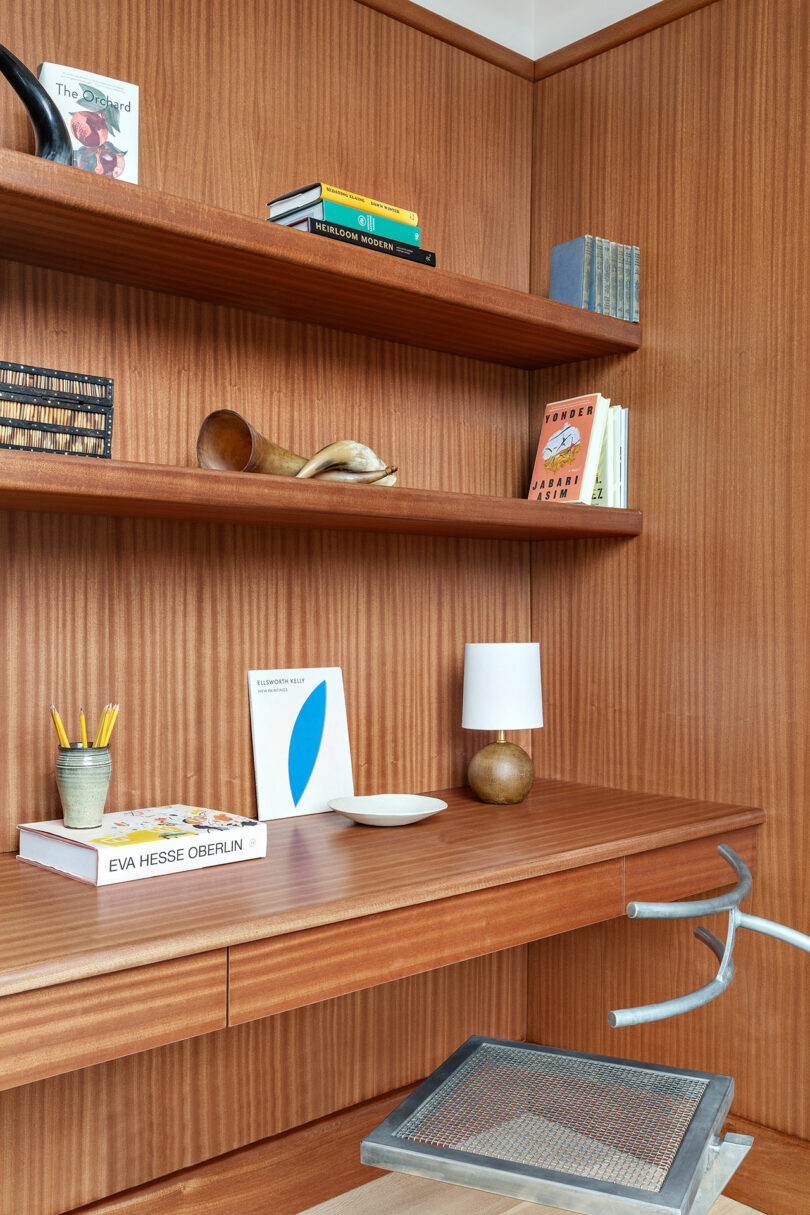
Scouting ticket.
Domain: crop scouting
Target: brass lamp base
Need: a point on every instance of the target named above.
(501, 773)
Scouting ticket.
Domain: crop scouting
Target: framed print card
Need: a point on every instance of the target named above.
(301, 754)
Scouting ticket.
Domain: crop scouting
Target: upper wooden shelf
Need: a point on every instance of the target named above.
(322, 871)
(80, 485)
(165, 243)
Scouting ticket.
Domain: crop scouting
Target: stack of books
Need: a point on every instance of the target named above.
(341, 215)
(582, 453)
(590, 272)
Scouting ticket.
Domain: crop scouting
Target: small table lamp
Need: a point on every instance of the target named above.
(502, 691)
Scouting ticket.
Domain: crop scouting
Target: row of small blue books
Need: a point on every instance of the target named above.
(598, 274)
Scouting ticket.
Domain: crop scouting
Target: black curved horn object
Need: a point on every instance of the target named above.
(50, 133)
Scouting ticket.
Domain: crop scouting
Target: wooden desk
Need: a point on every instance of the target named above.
(92, 974)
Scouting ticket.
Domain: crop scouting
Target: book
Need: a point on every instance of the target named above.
(604, 490)
(598, 274)
(595, 282)
(636, 282)
(101, 115)
(568, 449)
(570, 276)
(621, 460)
(604, 307)
(366, 240)
(142, 843)
(350, 217)
(318, 190)
(301, 754)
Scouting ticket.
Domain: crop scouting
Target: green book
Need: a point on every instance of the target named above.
(350, 217)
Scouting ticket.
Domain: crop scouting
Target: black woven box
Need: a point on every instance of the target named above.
(60, 411)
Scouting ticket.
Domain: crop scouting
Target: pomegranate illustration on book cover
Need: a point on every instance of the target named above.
(102, 117)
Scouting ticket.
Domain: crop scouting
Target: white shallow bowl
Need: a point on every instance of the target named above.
(387, 809)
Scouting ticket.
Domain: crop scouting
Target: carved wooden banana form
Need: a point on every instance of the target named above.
(228, 441)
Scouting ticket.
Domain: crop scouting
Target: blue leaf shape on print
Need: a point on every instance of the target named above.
(305, 741)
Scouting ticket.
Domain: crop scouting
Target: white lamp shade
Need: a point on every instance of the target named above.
(502, 688)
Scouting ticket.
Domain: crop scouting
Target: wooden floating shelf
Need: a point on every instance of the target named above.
(80, 485)
(145, 238)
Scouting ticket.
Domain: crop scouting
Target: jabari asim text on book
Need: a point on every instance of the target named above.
(568, 449)
(143, 843)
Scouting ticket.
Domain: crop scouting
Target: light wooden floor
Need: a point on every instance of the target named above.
(398, 1194)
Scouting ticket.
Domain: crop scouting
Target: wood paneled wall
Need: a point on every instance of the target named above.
(681, 663)
(240, 102)
(674, 663)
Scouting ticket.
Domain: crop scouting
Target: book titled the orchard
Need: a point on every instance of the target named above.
(101, 115)
(143, 843)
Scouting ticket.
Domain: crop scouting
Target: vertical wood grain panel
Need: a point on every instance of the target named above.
(273, 1175)
(77, 1138)
(683, 658)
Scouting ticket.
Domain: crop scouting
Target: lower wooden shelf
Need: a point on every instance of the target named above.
(333, 908)
(80, 485)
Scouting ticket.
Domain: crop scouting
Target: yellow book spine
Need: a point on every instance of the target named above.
(335, 194)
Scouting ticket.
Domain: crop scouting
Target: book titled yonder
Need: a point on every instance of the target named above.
(568, 449)
(143, 843)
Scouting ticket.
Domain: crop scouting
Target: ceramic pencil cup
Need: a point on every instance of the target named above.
(83, 779)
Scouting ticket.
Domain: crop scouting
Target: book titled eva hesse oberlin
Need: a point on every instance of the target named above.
(143, 843)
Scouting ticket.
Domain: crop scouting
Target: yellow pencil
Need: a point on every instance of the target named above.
(83, 728)
(105, 741)
(101, 725)
(64, 741)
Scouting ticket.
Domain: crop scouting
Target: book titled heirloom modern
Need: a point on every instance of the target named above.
(569, 448)
(366, 240)
(301, 754)
(143, 843)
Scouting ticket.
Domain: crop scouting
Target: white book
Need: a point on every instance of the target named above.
(301, 753)
(621, 459)
(604, 491)
(101, 115)
(143, 843)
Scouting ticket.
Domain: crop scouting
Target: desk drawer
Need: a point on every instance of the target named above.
(58, 1029)
(318, 963)
(686, 870)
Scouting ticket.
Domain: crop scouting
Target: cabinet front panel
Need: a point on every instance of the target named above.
(302, 967)
(56, 1029)
(687, 869)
